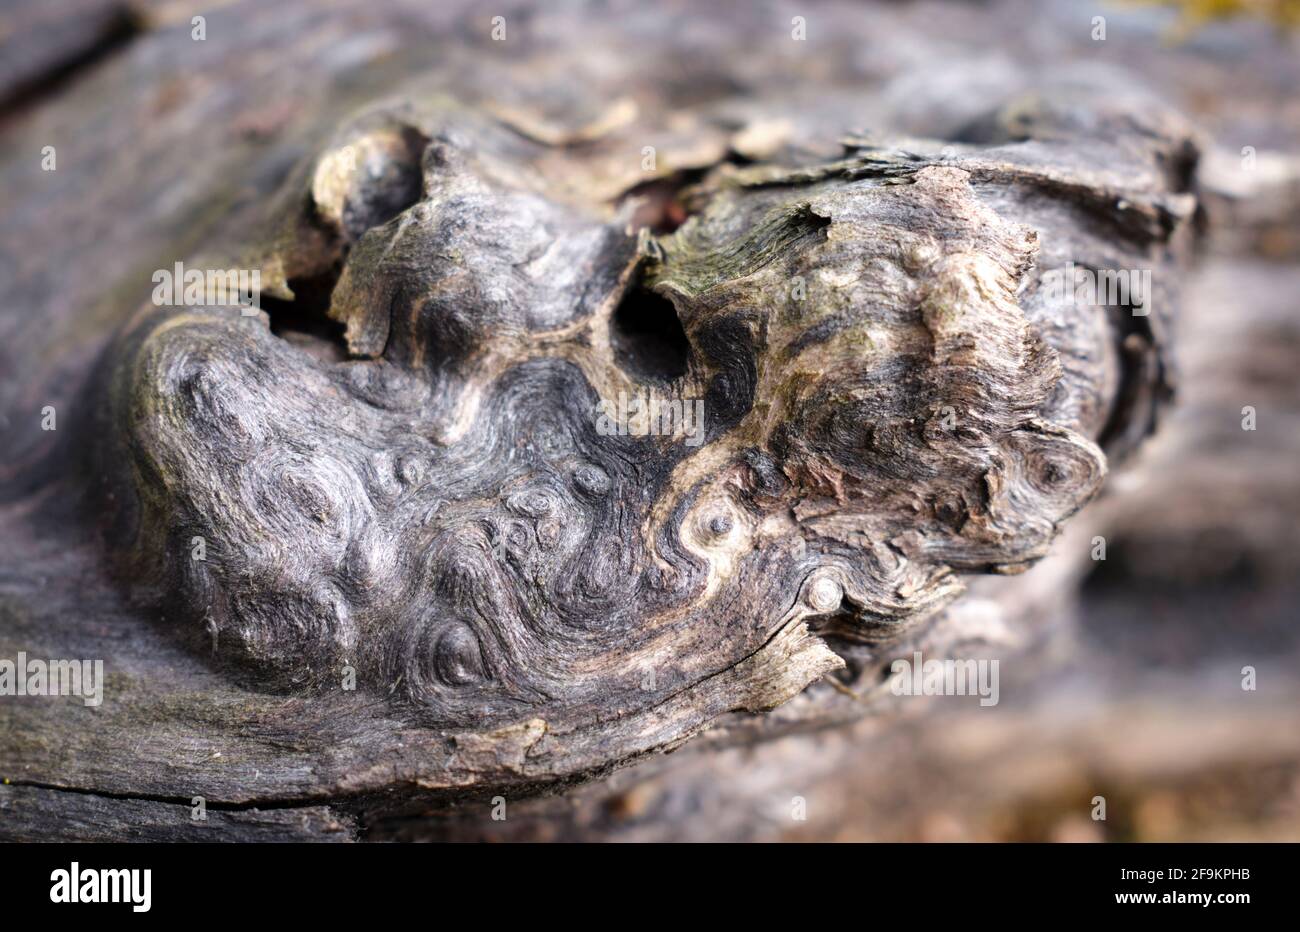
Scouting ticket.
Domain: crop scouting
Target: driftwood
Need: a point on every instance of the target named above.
(437, 557)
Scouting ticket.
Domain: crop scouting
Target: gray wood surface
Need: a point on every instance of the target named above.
(396, 469)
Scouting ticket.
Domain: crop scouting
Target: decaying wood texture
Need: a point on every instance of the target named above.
(411, 470)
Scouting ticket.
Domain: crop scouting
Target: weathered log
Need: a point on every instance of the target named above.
(446, 504)
(36, 813)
